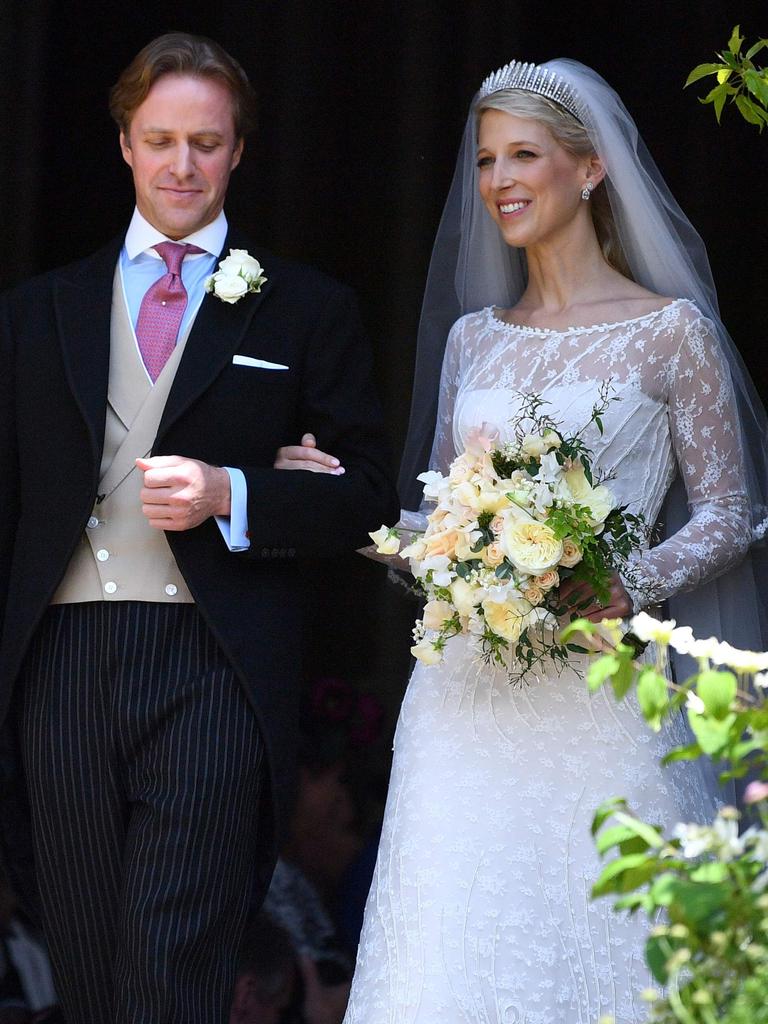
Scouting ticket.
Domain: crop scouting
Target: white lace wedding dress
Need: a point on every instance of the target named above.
(480, 909)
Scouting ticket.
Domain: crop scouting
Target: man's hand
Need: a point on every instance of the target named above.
(179, 493)
(307, 456)
(619, 604)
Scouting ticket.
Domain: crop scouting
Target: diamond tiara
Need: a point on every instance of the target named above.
(534, 78)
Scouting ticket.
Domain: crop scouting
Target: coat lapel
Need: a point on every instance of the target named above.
(83, 305)
(215, 337)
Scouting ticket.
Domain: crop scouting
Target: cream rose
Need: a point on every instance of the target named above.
(533, 594)
(227, 287)
(493, 555)
(436, 613)
(571, 554)
(506, 618)
(531, 547)
(443, 543)
(548, 580)
(425, 651)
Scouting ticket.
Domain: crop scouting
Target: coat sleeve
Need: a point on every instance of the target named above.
(9, 467)
(302, 514)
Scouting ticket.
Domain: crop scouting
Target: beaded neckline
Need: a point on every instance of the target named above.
(588, 328)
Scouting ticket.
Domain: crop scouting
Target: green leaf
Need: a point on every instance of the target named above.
(701, 71)
(734, 43)
(757, 85)
(717, 690)
(625, 874)
(656, 955)
(632, 901)
(689, 753)
(758, 46)
(605, 810)
(652, 696)
(601, 670)
(700, 901)
(723, 75)
(647, 833)
(719, 101)
(578, 626)
(662, 892)
(713, 735)
(713, 871)
(622, 680)
(749, 111)
(614, 836)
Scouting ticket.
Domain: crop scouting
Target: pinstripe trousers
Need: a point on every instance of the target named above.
(143, 761)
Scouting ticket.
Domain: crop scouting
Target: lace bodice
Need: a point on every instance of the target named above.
(674, 413)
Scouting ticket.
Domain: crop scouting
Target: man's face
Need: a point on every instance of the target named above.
(182, 149)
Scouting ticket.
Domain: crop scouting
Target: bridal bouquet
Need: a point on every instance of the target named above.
(511, 522)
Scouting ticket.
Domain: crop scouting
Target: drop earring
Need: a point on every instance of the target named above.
(586, 192)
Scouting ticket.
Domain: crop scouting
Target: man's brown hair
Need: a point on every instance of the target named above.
(179, 53)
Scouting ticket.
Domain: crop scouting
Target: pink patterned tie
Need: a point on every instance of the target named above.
(162, 309)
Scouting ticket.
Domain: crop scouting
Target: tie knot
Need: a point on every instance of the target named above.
(173, 254)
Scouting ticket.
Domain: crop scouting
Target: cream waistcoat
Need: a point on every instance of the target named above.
(120, 557)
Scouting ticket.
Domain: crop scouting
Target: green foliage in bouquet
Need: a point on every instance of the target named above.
(739, 80)
(707, 885)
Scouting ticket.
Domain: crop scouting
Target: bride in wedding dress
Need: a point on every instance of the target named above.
(563, 262)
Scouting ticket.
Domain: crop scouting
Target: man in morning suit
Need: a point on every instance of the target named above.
(151, 557)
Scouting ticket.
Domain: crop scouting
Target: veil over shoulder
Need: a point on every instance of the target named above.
(472, 267)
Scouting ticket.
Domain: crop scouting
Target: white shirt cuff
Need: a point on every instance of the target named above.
(234, 527)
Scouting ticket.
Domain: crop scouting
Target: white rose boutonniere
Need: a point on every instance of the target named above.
(237, 275)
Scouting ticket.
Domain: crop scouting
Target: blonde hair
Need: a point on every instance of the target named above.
(574, 138)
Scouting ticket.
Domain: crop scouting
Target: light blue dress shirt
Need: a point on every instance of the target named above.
(140, 267)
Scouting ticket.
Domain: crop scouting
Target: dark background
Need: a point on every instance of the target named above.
(362, 108)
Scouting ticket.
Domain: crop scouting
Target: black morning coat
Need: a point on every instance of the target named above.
(54, 363)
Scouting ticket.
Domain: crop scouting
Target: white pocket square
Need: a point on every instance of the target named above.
(262, 363)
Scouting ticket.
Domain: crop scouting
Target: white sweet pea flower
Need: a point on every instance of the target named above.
(386, 539)
(756, 839)
(694, 703)
(433, 482)
(651, 630)
(441, 572)
(426, 652)
(741, 661)
(694, 839)
(726, 827)
(550, 470)
(436, 613)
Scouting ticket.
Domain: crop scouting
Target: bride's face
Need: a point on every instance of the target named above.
(530, 184)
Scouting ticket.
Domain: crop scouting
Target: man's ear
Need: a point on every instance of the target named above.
(237, 153)
(125, 149)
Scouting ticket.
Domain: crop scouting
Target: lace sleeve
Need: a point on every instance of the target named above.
(705, 437)
(443, 450)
